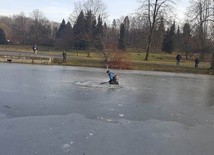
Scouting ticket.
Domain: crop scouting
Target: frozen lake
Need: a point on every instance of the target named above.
(58, 110)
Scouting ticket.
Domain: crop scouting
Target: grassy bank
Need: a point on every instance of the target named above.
(131, 59)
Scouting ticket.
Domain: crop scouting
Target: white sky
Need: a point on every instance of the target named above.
(56, 10)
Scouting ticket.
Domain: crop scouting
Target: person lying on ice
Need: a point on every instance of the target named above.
(113, 79)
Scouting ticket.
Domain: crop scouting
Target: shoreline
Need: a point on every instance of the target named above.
(47, 59)
(182, 70)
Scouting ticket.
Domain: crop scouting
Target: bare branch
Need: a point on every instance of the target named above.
(97, 7)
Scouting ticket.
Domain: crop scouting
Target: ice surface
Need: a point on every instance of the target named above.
(66, 110)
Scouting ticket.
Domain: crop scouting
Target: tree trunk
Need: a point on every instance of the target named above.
(212, 62)
(148, 46)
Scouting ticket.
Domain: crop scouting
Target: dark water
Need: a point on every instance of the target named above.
(65, 110)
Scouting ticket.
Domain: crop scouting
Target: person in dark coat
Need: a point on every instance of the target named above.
(35, 49)
(197, 60)
(178, 59)
(64, 54)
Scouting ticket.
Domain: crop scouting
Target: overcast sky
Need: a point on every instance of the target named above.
(56, 10)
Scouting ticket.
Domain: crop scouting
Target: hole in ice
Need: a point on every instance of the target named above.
(97, 84)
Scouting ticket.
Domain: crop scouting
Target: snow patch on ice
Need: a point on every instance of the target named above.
(121, 115)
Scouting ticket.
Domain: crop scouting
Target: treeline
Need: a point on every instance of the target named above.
(86, 33)
(90, 32)
(23, 30)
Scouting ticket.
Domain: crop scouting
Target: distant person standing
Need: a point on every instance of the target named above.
(64, 54)
(178, 59)
(197, 60)
(35, 49)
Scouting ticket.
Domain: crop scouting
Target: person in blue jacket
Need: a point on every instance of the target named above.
(113, 79)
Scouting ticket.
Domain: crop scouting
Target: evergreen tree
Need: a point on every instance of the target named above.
(186, 37)
(79, 32)
(127, 27)
(160, 35)
(100, 27)
(2, 37)
(168, 43)
(90, 25)
(67, 37)
(172, 36)
(113, 36)
(114, 24)
(61, 29)
(105, 32)
(121, 43)
(178, 39)
(165, 41)
(99, 34)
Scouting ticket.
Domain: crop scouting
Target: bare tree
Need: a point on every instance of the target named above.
(20, 27)
(212, 63)
(5, 24)
(152, 11)
(97, 7)
(40, 29)
(201, 16)
(38, 17)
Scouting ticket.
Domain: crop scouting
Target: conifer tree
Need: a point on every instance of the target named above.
(105, 32)
(61, 29)
(168, 43)
(113, 37)
(99, 33)
(121, 43)
(114, 24)
(90, 25)
(160, 35)
(127, 27)
(177, 39)
(79, 32)
(67, 37)
(186, 37)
